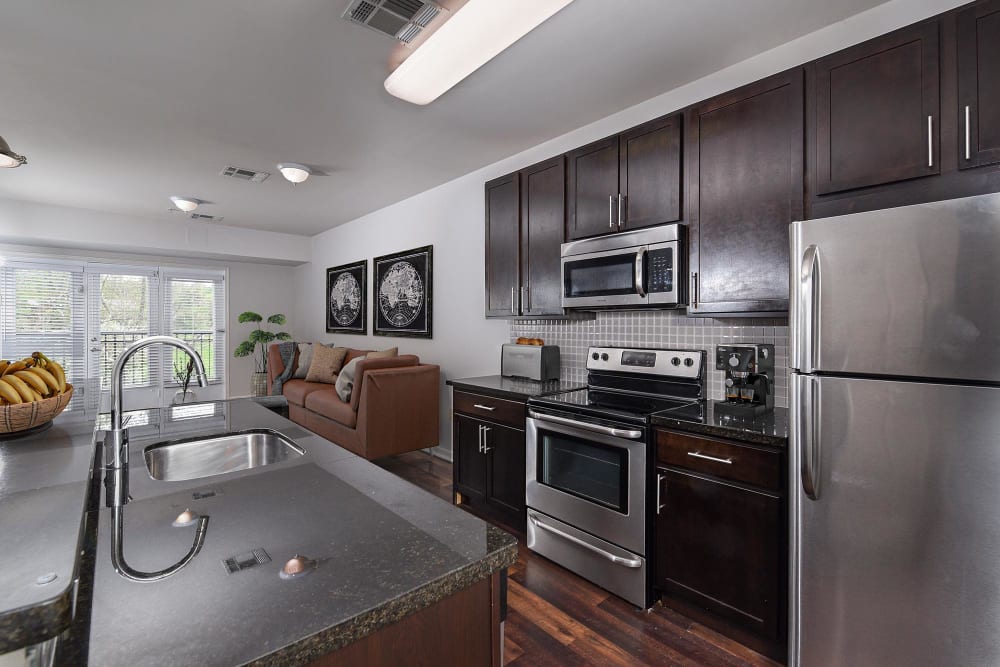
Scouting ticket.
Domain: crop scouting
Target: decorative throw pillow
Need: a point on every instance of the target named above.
(384, 354)
(345, 381)
(305, 359)
(326, 363)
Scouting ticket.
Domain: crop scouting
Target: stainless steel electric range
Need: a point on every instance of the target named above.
(588, 472)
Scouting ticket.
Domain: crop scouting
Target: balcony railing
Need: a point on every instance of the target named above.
(137, 372)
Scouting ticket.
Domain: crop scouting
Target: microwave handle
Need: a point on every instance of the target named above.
(640, 261)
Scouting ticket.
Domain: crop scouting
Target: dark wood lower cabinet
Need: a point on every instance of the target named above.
(721, 546)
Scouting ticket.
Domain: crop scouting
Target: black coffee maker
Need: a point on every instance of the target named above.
(749, 379)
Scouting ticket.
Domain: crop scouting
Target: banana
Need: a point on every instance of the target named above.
(55, 369)
(9, 394)
(14, 367)
(3, 365)
(20, 387)
(35, 381)
(35, 396)
(48, 379)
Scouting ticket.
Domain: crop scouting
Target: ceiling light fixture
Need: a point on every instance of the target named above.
(9, 158)
(294, 172)
(477, 32)
(186, 204)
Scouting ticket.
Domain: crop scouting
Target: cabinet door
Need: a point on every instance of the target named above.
(650, 173)
(878, 111)
(978, 39)
(745, 184)
(505, 447)
(719, 546)
(592, 189)
(543, 226)
(503, 221)
(469, 467)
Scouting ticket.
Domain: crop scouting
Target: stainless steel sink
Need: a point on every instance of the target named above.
(218, 454)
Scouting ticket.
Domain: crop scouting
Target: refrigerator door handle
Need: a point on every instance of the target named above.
(808, 318)
(806, 424)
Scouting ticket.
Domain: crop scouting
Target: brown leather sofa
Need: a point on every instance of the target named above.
(393, 408)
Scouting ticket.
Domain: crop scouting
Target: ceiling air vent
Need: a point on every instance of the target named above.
(245, 174)
(400, 19)
(201, 217)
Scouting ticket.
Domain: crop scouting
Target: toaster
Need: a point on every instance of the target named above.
(535, 362)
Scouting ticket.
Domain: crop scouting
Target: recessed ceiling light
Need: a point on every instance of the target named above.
(477, 32)
(186, 204)
(294, 172)
(9, 158)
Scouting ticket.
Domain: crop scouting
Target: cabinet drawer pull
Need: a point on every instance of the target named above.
(488, 408)
(480, 438)
(699, 455)
(486, 447)
(659, 488)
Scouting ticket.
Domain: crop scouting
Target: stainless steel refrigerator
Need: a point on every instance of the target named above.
(895, 436)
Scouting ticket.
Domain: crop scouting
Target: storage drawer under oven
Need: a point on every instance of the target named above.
(740, 463)
(502, 411)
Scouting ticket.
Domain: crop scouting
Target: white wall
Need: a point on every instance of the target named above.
(451, 216)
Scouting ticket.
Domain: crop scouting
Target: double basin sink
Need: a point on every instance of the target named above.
(199, 457)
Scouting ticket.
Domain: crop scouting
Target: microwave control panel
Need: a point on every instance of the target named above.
(660, 264)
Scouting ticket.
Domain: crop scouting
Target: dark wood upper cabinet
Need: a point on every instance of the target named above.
(978, 43)
(543, 217)
(592, 189)
(745, 185)
(503, 223)
(628, 181)
(878, 108)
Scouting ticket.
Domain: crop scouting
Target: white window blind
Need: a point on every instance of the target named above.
(43, 308)
(195, 311)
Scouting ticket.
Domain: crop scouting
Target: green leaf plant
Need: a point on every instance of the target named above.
(256, 343)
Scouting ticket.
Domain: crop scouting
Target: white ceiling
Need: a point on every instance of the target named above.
(119, 104)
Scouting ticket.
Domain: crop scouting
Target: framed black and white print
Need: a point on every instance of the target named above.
(347, 298)
(403, 291)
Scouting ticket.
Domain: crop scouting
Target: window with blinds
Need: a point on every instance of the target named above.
(195, 311)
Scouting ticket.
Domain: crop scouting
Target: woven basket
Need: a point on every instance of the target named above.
(22, 416)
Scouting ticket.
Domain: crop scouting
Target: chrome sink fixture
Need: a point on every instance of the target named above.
(217, 455)
(116, 464)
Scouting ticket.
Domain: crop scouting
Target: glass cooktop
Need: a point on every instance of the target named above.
(620, 406)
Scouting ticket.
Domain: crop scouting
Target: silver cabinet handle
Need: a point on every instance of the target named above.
(699, 455)
(659, 489)
(480, 438)
(694, 289)
(930, 141)
(513, 301)
(611, 211)
(968, 154)
(488, 408)
(808, 320)
(640, 258)
(486, 447)
(621, 221)
(596, 428)
(618, 560)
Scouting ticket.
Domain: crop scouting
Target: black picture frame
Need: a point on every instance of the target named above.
(410, 273)
(351, 283)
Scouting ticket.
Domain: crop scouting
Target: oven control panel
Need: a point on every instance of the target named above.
(675, 363)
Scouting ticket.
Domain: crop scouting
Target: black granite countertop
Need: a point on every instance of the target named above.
(768, 429)
(44, 485)
(517, 389)
(384, 547)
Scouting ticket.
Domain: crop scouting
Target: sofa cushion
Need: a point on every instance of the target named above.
(297, 390)
(383, 354)
(328, 404)
(326, 363)
(353, 354)
(303, 360)
(345, 381)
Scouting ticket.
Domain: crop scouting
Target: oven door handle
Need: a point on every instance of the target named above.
(631, 434)
(618, 560)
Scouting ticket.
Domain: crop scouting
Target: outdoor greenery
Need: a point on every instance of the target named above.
(256, 343)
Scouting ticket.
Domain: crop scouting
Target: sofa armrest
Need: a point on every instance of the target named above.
(399, 409)
(366, 366)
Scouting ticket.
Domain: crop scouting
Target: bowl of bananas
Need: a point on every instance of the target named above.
(33, 391)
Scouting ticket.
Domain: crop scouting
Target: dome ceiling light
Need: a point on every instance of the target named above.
(9, 158)
(294, 172)
(186, 204)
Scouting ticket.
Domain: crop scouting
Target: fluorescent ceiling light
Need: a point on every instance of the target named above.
(477, 32)
(9, 158)
(294, 172)
(186, 204)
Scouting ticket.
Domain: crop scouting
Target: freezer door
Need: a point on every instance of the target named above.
(895, 523)
(910, 291)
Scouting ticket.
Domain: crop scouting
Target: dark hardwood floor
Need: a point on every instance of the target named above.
(557, 618)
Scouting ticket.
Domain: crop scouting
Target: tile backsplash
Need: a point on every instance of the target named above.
(664, 329)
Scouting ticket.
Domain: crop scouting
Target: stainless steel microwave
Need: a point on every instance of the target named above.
(626, 270)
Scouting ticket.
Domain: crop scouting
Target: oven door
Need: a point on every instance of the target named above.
(590, 476)
(602, 279)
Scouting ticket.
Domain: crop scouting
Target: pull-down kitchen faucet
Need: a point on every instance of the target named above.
(116, 464)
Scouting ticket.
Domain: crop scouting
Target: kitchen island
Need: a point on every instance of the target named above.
(394, 571)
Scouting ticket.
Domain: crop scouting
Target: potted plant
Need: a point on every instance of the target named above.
(256, 346)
